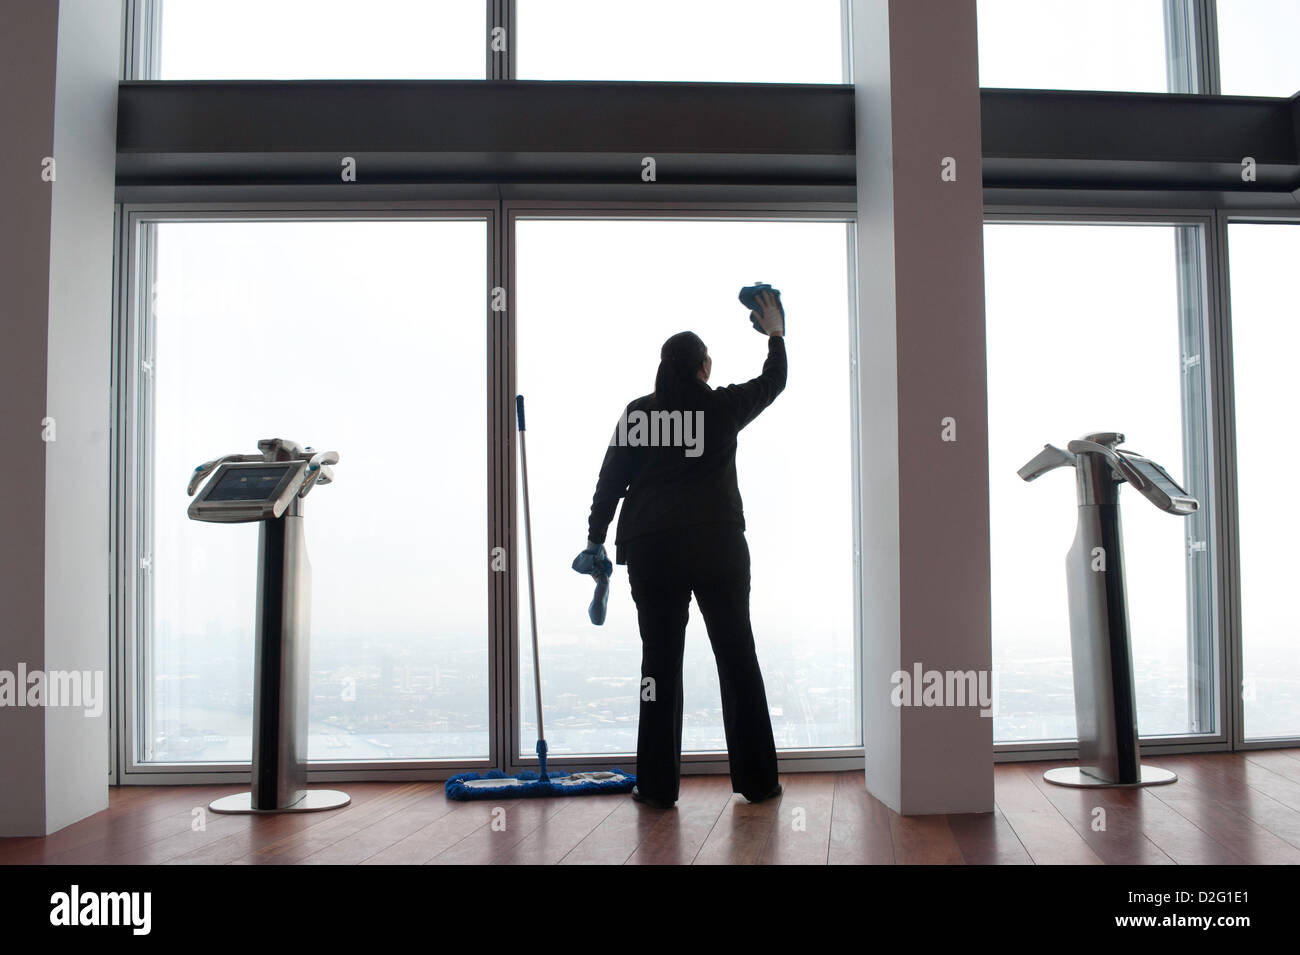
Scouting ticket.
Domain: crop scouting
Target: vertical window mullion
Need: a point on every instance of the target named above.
(510, 71)
(501, 382)
(1227, 549)
(1192, 46)
(855, 440)
(144, 442)
(500, 64)
(143, 34)
(1207, 35)
(846, 42)
(1182, 59)
(1202, 669)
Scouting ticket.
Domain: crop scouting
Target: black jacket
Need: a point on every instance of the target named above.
(676, 472)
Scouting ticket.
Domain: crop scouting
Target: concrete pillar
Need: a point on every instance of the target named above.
(59, 64)
(925, 525)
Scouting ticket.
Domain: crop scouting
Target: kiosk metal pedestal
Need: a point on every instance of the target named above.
(269, 488)
(1105, 702)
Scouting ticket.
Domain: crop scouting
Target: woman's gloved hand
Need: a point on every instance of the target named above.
(769, 317)
(594, 562)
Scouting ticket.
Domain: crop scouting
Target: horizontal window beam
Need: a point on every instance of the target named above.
(453, 131)
(712, 135)
(1036, 139)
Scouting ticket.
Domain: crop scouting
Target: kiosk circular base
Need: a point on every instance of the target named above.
(1076, 778)
(315, 800)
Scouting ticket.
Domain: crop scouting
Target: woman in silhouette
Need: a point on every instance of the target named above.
(681, 532)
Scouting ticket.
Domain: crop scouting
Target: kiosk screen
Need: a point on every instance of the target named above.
(248, 484)
(1157, 476)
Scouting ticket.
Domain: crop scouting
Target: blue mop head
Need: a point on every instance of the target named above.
(497, 785)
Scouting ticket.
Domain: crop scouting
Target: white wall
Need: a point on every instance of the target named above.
(79, 398)
(60, 67)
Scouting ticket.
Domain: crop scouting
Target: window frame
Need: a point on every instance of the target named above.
(1228, 415)
(829, 758)
(131, 506)
(1207, 609)
(142, 37)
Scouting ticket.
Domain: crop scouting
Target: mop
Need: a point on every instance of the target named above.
(498, 785)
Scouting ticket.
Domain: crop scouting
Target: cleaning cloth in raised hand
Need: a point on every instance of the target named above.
(593, 561)
(749, 298)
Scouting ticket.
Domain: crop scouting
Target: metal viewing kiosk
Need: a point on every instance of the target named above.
(1105, 702)
(269, 488)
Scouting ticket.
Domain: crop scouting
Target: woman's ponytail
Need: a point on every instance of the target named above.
(677, 380)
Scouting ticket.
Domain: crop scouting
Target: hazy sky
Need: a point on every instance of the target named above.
(793, 461)
(1265, 333)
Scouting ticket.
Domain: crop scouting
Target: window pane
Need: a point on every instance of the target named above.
(1265, 339)
(596, 301)
(1083, 336)
(722, 41)
(322, 39)
(1068, 45)
(362, 337)
(1257, 47)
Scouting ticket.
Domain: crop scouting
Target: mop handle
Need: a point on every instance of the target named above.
(532, 600)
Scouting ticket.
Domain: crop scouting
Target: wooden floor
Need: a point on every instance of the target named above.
(1225, 808)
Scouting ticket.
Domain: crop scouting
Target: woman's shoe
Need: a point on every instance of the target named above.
(773, 794)
(652, 803)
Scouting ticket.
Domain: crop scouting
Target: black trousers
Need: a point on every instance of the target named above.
(711, 561)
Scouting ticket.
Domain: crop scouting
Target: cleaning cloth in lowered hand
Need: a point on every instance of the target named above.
(594, 561)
